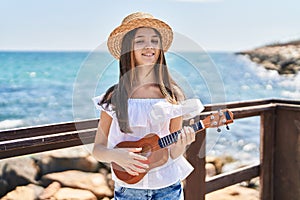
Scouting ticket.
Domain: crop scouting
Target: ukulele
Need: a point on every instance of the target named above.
(153, 147)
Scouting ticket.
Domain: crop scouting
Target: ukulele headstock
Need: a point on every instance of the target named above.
(221, 118)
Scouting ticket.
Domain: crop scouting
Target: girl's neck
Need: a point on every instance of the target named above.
(147, 91)
(145, 75)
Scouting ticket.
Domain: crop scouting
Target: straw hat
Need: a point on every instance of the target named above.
(137, 20)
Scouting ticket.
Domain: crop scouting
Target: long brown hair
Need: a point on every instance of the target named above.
(117, 95)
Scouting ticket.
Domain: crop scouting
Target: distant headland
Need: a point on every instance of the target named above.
(282, 57)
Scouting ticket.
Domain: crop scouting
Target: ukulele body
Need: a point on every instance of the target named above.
(156, 155)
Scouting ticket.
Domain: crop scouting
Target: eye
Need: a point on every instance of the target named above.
(139, 41)
(154, 41)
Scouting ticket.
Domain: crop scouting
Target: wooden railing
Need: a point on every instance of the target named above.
(279, 152)
(279, 148)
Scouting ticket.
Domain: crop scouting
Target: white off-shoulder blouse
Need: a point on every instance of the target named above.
(142, 117)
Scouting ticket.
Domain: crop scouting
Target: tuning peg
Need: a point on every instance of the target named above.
(227, 127)
(223, 121)
(219, 130)
(212, 117)
(220, 113)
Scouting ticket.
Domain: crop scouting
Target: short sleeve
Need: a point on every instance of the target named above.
(191, 108)
(97, 100)
(165, 110)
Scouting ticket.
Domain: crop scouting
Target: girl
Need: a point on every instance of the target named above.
(126, 108)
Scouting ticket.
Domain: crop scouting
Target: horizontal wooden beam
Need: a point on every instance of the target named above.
(248, 111)
(233, 177)
(257, 102)
(240, 110)
(45, 143)
(28, 132)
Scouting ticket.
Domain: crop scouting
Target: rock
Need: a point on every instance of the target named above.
(21, 192)
(3, 187)
(283, 58)
(29, 192)
(105, 198)
(75, 158)
(50, 190)
(19, 171)
(270, 66)
(74, 194)
(216, 161)
(210, 170)
(103, 171)
(94, 182)
(110, 182)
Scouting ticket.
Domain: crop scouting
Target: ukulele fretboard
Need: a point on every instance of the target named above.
(173, 137)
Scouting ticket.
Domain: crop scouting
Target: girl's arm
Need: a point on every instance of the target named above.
(186, 137)
(126, 158)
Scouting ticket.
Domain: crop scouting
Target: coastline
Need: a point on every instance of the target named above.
(282, 57)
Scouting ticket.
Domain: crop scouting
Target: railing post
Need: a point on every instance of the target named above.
(287, 153)
(195, 183)
(267, 147)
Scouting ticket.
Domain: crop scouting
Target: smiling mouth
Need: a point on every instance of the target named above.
(148, 54)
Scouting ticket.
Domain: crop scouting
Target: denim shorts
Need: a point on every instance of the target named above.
(172, 192)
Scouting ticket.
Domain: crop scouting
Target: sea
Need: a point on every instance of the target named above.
(38, 88)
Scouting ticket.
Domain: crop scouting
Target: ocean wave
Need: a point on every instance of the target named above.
(291, 82)
(11, 123)
(291, 95)
(287, 86)
(291, 87)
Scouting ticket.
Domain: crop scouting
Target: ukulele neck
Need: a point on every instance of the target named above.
(173, 137)
(214, 120)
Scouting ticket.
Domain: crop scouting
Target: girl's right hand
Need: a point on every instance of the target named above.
(132, 162)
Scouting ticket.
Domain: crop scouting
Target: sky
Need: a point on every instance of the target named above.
(215, 25)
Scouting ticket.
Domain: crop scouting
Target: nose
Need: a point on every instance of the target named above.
(149, 45)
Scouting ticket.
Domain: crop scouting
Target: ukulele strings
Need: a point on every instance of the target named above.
(168, 143)
(213, 146)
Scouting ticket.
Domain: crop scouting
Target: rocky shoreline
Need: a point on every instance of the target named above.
(74, 174)
(282, 57)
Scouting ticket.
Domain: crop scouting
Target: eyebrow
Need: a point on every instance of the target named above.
(141, 36)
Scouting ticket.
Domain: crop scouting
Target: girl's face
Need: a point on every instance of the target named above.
(146, 46)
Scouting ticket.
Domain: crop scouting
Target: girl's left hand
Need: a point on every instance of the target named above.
(186, 137)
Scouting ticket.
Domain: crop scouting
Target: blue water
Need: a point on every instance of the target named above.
(49, 87)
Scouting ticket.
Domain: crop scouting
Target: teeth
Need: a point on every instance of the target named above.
(148, 54)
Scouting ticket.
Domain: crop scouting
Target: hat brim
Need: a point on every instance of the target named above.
(115, 39)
